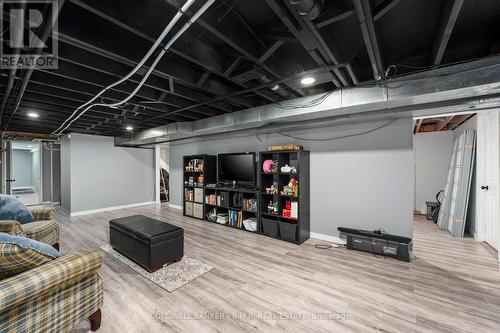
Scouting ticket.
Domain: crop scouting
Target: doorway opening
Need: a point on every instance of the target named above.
(25, 179)
(457, 178)
(164, 169)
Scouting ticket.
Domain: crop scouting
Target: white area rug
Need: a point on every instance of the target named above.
(169, 277)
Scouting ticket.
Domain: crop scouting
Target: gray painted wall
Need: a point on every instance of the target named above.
(363, 181)
(470, 222)
(432, 158)
(21, 162)
(46, 167)
(51, 173)
(35, 170)
(66, 173)
(56, 171)
(102, 175)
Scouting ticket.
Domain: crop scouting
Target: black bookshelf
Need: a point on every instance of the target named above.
(289, 219)
(198, 171)
(286, 228)
(221, 200)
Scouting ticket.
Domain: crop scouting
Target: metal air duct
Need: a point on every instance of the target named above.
(464, 87)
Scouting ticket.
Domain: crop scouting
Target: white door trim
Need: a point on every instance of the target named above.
(481, 179)
(157, 174)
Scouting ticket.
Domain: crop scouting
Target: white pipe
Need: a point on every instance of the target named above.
(151, 68)
(141, 63)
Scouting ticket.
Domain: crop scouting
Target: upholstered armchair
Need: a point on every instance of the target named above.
(53, 297)
(45, 229)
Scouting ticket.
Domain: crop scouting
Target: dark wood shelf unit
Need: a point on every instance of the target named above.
(295, 230)
(298, 159)
(195, 208)
(230, 193)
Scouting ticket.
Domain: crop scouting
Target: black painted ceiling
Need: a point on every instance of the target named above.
(231, 58)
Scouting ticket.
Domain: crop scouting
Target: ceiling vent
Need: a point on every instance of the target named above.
(309, 9)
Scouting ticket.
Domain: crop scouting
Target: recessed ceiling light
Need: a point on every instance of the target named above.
(129, 128)
(33, 115)
(307, 81)
(30, 146)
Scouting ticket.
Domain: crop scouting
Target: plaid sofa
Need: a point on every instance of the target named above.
(53, 297)
(45, 229)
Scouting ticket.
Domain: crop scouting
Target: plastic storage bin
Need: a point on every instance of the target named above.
(270, 227)
(288, 230)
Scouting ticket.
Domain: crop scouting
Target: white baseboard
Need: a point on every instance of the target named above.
(174, 206)
(106, 209)
(56, 203)
(328, 238)
(65, 210)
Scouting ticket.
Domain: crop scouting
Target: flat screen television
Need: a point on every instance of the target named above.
(237, 167)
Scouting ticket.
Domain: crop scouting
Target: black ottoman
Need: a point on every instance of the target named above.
(148, 242)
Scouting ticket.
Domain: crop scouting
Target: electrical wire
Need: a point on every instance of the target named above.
(340, 137)
(139, 65)
(152, 67)
(312, 103)
(228, 10)
(323, 246)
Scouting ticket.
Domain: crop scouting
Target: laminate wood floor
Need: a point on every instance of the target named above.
(266, 285)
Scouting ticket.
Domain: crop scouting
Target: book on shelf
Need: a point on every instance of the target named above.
(250, 204)
(235, 218)
(222, 218)
(211, 199)
(294, 207)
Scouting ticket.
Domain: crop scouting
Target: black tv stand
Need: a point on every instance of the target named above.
(219, 197)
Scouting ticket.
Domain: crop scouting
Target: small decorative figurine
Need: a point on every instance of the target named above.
(267, 166)
(274, 168)
(291, 189)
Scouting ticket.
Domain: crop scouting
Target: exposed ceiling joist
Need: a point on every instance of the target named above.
(335, 18)
(74, 73)
(384, 8)
(202, 54)
(469, 86)
(278, 35)
(418, 125)
(226, 62)
(45, 33)
(238, 36)
(269, 52)
(30, 135)
(202, 79)
(448, 17)
(307, 35)
(365, 18)
(445, 123)
(175, 72)
(232, 67)
(269, 84)
(461, 120)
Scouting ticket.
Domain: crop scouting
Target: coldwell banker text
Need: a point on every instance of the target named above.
(29, 31)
